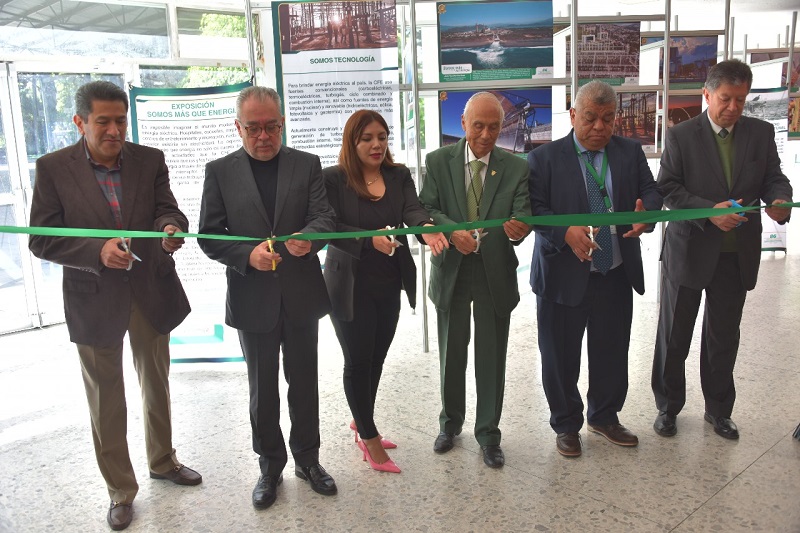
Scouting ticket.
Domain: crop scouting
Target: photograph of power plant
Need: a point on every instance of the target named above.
(527, 124)
(495, 40)
(607, 51)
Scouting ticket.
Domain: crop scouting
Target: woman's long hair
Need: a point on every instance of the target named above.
(348, 157)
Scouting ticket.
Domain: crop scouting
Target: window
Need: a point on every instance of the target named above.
(69, 28)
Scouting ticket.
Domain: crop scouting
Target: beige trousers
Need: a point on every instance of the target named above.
(105, 391)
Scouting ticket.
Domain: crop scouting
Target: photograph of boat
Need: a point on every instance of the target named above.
(495, 40)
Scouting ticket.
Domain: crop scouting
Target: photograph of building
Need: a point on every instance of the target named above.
(607, 51)
(636, 118)
(690, 58)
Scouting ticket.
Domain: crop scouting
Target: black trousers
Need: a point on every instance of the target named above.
(719, 341)
(298, 341)
(365, 342)
(605, 313)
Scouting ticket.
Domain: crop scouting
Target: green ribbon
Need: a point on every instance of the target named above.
(581, 219)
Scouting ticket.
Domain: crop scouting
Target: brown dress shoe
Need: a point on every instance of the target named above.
(568, 444)
(180, 475)
(120, 515)
(616, 433)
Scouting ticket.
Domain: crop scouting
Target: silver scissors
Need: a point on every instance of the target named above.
(393, 240)
(591, 238)
(127, 249)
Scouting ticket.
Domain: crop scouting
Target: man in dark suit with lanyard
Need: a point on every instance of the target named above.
(582, 276)
(276, 294)
(713, 160)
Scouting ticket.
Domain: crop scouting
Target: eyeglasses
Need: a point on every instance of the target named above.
(255, 131)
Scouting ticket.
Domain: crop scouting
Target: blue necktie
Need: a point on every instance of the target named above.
(602, 258)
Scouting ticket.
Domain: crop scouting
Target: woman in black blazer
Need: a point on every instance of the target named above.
(364, 276)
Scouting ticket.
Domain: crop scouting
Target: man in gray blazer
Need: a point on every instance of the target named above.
(105, 182)
(468, 181)
(276, 294)
(712, 160)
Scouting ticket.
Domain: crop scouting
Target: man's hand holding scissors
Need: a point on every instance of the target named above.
(581, 240)
(264, 258)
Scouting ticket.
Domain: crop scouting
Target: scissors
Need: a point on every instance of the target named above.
(393, 240)
(734, 203)
(591, 238)
(127, 249)
(478, 234)
(272, 251)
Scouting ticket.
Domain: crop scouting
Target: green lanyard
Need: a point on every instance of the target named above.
(601, 182)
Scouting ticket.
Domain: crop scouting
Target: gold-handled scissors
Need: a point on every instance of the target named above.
(272, 251)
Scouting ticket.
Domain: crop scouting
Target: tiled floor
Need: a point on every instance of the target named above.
(695, 481)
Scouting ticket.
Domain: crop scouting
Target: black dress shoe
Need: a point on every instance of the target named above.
(665, 424)
(321, 481)
(266, 491)
(724, 427)
(444, 442)
(180, 475)
(120, 515)
(493, 456)
(569, 444)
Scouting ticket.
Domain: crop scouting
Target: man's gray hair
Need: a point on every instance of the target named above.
(731, 72)
(485, 95)
(97, 90)
(262, 94)
(597, 92)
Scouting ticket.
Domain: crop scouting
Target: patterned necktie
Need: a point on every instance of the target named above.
(723, 133)
(603, 257)
(475, 189)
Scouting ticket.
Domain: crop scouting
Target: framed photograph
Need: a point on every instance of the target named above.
(636, 118)
(689, 60)
(337, 25)
(495, 40)
(608, 52)
(527, 124)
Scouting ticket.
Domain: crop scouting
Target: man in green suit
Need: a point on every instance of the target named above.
(472, 180)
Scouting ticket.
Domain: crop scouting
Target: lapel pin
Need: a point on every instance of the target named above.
(494, 172)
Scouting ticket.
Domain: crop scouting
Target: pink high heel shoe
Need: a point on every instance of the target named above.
(388, 466)
(386, 443)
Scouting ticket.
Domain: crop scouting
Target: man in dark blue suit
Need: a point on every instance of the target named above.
(582, 276)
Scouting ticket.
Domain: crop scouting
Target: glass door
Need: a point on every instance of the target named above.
(17, 299)
(37, 109)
